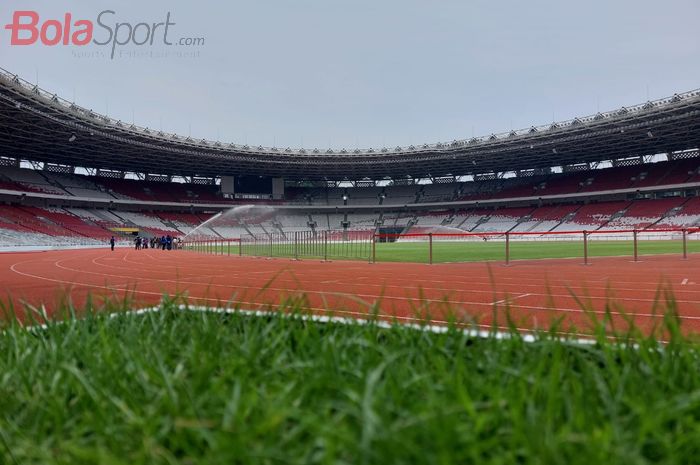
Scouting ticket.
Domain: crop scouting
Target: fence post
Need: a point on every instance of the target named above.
(240, 247)
(430, 240)
(685, 244)
(296, 245)
(636, 247)
(374, 248)
(585, 247)
(325, 246)
(507, 248)
(271, 246)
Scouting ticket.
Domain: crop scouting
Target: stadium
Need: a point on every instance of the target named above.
(528, 296)
(620, 184)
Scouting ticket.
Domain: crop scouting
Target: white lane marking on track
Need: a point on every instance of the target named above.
(520, 284)
(684, 282)
(165, 268)
(278, 288)
(242, 286)
(352, 296)
(183, 279)
(511, 299)
(503, 280)
(518, 279)
(335, 294)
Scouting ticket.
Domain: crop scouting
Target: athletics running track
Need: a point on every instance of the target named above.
(535, 292)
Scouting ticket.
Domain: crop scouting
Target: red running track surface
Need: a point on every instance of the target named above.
(535, 292)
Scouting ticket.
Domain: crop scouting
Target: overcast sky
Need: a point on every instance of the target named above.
(369, 73)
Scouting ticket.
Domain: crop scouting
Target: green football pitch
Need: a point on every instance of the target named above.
(445, 252)
(452, 251)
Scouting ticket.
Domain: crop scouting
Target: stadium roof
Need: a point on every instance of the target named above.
(40, 126)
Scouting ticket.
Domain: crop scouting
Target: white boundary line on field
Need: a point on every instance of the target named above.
(325, 319)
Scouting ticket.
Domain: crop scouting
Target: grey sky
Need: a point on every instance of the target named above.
(373, 73)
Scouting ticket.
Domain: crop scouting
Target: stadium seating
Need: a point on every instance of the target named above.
(594, 216)
(644, 213)
(688, 215)
(589, 181)
(159, 191)
(30, 181)
(502, 220)
(68, 224)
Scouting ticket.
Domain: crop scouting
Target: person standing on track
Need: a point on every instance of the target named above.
(111, 243)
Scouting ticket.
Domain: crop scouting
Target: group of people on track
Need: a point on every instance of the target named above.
(164, 242)
(140, 243)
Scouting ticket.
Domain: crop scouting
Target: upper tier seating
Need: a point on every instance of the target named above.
(596, 180)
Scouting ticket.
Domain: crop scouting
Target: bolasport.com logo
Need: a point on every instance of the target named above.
(120, 38)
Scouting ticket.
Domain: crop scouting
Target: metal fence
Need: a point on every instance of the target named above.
(508, 246)
(456, 247)
(323, 245)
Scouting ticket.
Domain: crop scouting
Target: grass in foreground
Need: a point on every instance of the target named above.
(178, 387)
